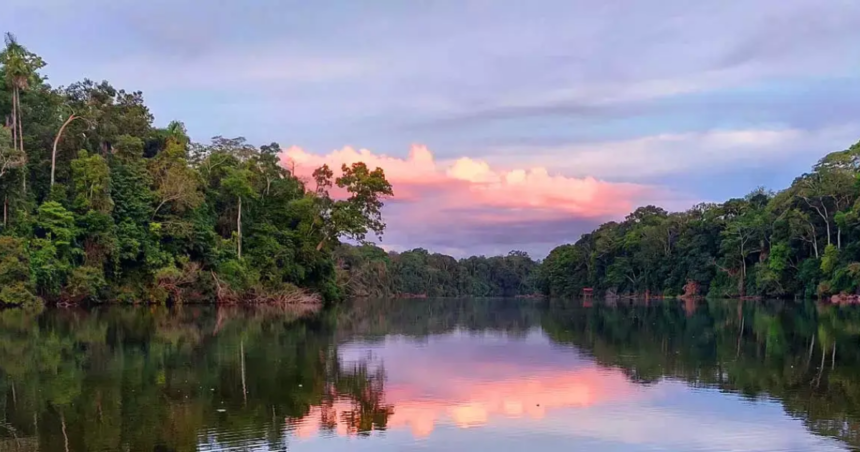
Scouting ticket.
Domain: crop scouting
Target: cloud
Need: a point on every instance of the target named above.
(473, 202)
(509, 199)
(234, 67)
(620, 61)
(600, 93)
(650, 157)
(466, 184)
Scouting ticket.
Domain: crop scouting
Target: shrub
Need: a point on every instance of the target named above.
(85, 283)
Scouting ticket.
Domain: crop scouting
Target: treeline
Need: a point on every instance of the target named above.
(803, 241)
(369, 271)
(99, 204)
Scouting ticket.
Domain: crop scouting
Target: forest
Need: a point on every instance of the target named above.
(99, 204)
(369, 271)
(801, 242)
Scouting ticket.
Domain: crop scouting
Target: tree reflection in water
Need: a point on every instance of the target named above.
(159, 379)
(201, 378)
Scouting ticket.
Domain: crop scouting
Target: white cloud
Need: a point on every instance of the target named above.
(681, 153)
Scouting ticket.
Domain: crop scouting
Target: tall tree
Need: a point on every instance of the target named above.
(19, 66)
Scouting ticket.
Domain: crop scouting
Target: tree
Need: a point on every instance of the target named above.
(20, 67)
(16, 286)
(53, 249)
(175, 183)
(742, 238)
(91, 177)
(838, 179)
(10, 158)
(68, 121)
(238, 184)
(361, 212)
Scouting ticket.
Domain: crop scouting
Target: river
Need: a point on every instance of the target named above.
(434, 375)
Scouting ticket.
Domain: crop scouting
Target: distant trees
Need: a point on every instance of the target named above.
(367, 270)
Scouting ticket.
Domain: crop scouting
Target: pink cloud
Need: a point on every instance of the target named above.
(470, 183)
(431, 194)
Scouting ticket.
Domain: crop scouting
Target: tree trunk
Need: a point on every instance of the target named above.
(5, 209)
(14, 123)
(239, 228)
(20, 119)
(21, 140)
(72, 117)
(839, 238)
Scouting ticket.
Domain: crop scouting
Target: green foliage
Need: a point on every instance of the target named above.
(16, 287)
(17, 294)
(368, 271)
(361, 212)
(11, 158)
(139, 213)
(237, 274)
(91, 179)
(85, 283)
(57, 224)
(14, 260)
(798, 242)
(48, 267)
(830, 259)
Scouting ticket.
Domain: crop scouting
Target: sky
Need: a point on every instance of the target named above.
(502, 124)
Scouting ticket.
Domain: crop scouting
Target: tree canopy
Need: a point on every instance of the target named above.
(102, 205)
(803, 241)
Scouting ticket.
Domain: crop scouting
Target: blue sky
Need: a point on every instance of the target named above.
(693, 100)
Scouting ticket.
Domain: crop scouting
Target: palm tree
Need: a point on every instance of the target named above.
(20, 66)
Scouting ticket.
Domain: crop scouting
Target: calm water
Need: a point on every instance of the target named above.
(434, 375)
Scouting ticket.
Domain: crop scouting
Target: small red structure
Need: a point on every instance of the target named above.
(587, 292)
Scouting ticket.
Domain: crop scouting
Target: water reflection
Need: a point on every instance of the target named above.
(434, 374)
